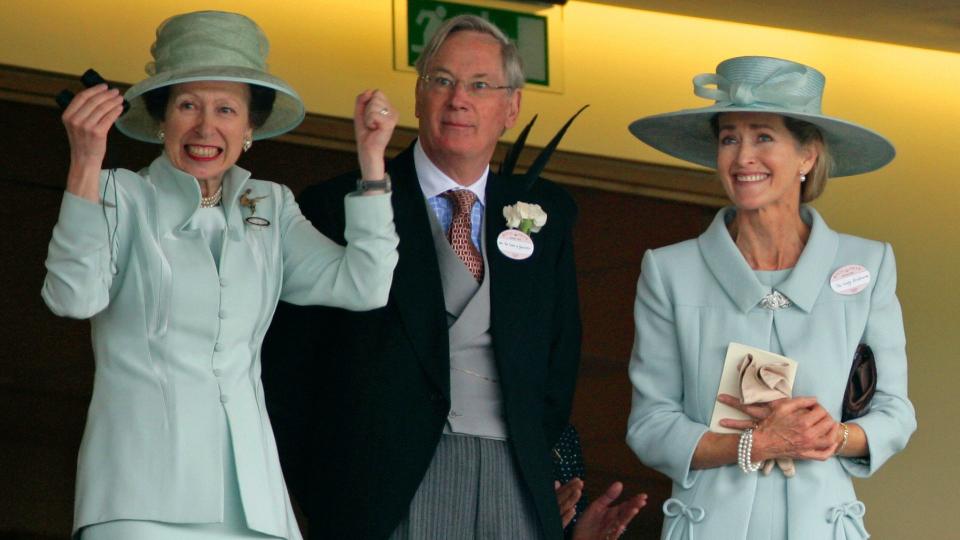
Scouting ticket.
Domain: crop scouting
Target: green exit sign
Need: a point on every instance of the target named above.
(527, 30)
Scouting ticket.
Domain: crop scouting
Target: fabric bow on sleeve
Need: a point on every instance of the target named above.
(763, 382)
(682, 513)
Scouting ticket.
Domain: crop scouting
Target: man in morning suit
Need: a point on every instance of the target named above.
(434, 417)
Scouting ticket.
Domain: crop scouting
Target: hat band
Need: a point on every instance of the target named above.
(779, 89)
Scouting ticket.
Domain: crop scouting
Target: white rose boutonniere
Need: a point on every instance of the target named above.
(529, 218)
(523, 219)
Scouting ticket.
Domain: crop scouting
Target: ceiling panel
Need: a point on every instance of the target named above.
(930, 24)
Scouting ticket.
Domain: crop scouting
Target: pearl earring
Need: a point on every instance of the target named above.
(247, 143)
(161, 135)
(803, 178)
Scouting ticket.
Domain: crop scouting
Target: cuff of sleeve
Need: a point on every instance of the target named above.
(372, 213)
(662, 451)
(874, 426)
(689, 476)
(81, 222)
(856, 467)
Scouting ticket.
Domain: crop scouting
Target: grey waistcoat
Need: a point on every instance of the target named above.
(476, 402)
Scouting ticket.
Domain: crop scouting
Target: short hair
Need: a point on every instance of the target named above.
(806, 134)
(509, 54)
(261, 103)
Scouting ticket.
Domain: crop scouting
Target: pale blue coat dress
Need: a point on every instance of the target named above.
(693, 299)
(176, 336)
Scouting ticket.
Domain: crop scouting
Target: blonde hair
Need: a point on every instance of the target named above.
(808, 134)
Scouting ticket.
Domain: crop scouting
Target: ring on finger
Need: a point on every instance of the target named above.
(384, 111)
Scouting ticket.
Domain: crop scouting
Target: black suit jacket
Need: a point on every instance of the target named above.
(359, 399)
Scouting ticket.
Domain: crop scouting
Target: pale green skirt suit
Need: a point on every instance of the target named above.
(693, 299)
(177, 334)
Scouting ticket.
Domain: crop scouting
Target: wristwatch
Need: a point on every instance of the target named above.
(364, 186)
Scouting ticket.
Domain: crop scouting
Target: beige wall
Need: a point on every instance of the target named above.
(330, 49)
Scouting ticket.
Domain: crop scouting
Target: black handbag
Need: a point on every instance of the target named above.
(861, 385)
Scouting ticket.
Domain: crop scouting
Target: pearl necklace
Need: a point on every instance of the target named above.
(213, 200)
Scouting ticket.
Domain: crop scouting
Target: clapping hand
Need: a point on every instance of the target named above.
(568, 495)
(604, 520)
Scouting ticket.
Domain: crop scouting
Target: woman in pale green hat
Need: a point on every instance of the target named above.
(770, 274)
(179, 268)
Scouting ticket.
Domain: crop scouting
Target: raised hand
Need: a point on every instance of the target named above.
(88, 120)
(603, 520)
(374, 120)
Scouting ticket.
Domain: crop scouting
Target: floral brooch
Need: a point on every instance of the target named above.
(523, 219)
(251, 202)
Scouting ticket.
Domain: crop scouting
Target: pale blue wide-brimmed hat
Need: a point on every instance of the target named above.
(762, 84)
(210, 46)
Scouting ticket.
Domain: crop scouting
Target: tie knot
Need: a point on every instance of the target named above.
(462, 199)
(460, 233)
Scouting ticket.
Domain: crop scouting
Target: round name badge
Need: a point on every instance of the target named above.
(850, 279)
(515, 244)
(258, 221)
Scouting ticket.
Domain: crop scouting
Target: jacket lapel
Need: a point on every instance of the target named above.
(805, 282)
(234, 182)
(416, 281)
(510, 283)
(728, 266)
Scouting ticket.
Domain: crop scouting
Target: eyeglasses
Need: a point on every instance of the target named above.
(441, 84)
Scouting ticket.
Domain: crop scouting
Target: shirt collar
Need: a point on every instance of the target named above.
(433, 181)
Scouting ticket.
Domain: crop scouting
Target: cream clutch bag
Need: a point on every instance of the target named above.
(754, 376)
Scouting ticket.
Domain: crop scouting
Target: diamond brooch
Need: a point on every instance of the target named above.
(774, 301)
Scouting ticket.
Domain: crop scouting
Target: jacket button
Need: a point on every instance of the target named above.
(223, 314)
(217, 372)
(224, 398)
(223, 282)
(218, 347)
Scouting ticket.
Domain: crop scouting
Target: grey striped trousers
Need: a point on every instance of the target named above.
(471, 491)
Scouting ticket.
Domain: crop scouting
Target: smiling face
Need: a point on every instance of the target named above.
(759, 161)
(457, 128)
(205, 125)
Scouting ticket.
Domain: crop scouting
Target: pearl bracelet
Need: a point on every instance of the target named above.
(845, 433)
(744, 450)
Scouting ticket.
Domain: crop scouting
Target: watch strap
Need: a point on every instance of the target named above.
(369, 185)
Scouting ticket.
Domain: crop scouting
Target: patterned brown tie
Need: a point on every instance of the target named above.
(459, 234)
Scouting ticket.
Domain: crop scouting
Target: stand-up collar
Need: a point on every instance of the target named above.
(740, 282)
(178, 194)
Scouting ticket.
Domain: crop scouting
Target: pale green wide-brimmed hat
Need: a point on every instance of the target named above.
(762, 84)
(210, 46)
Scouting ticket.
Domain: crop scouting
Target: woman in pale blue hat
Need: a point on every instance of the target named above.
(179, 268)
(768, 273)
